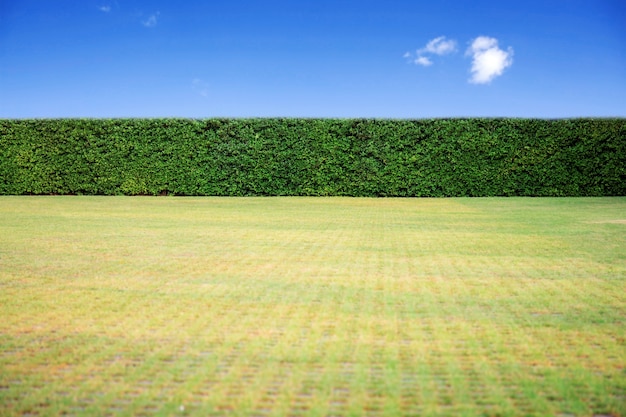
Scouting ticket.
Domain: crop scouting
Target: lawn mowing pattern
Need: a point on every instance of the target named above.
(312, 306)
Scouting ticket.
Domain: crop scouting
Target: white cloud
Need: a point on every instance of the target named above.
(105, 9)
(488, 60)
(439, 46)
(423, 61)
(152, 20)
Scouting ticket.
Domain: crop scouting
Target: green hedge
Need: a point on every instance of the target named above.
(356, 157)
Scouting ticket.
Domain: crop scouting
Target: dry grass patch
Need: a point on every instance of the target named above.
(312, 306)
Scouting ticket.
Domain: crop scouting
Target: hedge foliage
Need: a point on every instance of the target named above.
(326, 157)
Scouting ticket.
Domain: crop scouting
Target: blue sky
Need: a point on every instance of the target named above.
(322, 58)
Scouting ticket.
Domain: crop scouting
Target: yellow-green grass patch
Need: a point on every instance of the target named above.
(312, 306)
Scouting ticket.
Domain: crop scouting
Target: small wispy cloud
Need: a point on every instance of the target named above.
(488, 60)
(423, 61)
(438, 46)
(105, 9)
(152, 20)
(200, 87)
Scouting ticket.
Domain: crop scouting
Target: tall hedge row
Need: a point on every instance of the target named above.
(356, 157)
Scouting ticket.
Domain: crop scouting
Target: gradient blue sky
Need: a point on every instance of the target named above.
(322, 58)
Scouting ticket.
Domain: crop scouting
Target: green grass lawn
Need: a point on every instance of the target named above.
(312, 306)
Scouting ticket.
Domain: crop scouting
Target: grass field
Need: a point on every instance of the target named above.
(312, 306)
